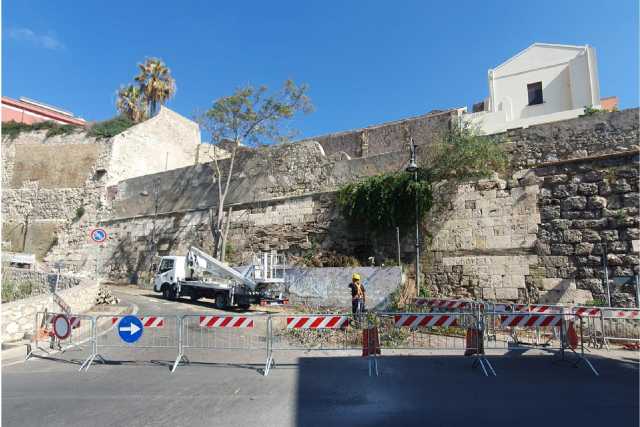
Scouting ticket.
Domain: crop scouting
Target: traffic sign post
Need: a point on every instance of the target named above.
(61, 326)
(130, 329)
(98, 235)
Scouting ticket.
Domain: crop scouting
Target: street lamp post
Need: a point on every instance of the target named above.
(413, 168)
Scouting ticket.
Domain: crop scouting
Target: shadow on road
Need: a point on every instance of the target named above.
(446, 391)
(201, 303)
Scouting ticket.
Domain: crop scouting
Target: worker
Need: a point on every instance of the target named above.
(357, 295)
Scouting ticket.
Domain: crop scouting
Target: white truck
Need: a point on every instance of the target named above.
(199, 275)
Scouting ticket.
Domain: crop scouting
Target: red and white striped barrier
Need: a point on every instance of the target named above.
(225, 322)
(441, 303)
(529, 320)
(425, 320)
(621, 314)
(317, 322)
(147, 322)
(587, 311)
(547, 309)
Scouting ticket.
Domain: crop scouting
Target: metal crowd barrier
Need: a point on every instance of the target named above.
(222, 332)
(570, 335)
(470, 333)
(160, 331)
(434, 332)
(312, 332)
(620, 324)
(43, 333)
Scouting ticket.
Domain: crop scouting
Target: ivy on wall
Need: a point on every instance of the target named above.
(383, 202)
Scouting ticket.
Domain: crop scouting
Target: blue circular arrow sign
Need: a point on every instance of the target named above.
(98, 235)
(130, 329)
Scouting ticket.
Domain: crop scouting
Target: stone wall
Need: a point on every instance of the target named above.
(386, 137)
(588, 207)
(164, 142)
(18, 317)
(42, 283)
(598, 134)
(56, 188)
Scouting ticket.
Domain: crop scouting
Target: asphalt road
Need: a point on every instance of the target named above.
(226, 388)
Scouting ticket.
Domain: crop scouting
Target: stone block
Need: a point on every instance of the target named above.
(609, 235)
(620, 186)
(588, 189)
(572, 236)
(590, 236)
(562, 249)
(575, 203)
(550, 212)
(631, 200)
(570, 296)
(583, 248)
(614, 260)
(558, 284)
(506, 294)
(596, 202)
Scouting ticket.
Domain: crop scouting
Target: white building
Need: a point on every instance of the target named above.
(543, 83)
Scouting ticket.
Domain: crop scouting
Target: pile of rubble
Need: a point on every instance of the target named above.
(106, 297)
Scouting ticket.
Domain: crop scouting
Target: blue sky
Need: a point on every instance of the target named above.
(366, 62)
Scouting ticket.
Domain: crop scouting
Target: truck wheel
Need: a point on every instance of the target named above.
(221, 301)
(195, 297)
(173, 293)
(166, 293)
(244, 306)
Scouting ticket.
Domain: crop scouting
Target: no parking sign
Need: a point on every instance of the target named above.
(98, 235)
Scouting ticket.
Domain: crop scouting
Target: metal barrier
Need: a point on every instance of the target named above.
(434, 331)
(222, 332)
(43, 332)
(310, 332)
(569, 338)
(620, 324)
(159, 331)
(592, 324)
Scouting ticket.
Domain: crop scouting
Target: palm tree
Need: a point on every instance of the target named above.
(156, 83)
(131, 103)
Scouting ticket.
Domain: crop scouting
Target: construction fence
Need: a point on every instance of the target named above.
(453, 327)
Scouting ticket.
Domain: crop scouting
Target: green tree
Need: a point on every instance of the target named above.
(131, 104)
(249, 117)
(156, 84)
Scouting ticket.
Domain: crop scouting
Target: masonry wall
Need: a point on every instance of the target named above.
(18, 317)
(386, 137)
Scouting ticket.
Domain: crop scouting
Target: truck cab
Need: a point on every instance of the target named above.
(171, 270)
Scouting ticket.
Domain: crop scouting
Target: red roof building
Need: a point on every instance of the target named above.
(28, 111)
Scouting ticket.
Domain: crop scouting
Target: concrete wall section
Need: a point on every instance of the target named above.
(164, 142)
(330, 286)
(18, 317)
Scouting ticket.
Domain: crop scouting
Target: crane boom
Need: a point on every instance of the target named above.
(205, 261)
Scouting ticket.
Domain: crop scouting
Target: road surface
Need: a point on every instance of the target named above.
(226, 388)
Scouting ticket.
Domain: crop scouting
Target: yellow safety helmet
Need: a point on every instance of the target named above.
(355, 276)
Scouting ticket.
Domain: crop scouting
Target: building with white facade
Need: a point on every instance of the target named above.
(543, 83)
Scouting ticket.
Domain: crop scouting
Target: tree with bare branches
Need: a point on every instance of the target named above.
(249, 117)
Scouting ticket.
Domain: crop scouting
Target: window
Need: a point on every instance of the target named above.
(535, 93)
(166, 265)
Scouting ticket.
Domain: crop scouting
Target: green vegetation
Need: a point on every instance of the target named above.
(590, 111)
(383, 202)
(154, 86)
(12, 129)
(79, 213)
(110, 128)
(251, 117)
(12, 291)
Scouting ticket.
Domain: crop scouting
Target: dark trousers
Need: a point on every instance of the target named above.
(357, 306)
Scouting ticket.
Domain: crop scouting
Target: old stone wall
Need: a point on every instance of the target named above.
(164, 142)
(18, 317)
(589, 224)
(597, 134)
(541, 236)
(386, 137)
(41, 283)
